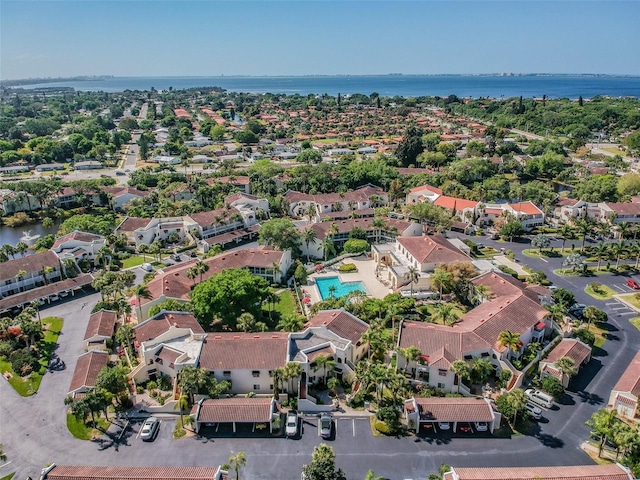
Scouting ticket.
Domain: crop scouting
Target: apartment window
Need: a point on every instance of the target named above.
(256, 373)
(256, 387)
(271, 386)
(441, 386)
(468, 357)
(442, 372)
(271, 373)
(227, 373)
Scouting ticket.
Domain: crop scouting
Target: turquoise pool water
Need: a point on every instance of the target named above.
(342, 289)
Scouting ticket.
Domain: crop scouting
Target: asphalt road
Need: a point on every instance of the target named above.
(34, 433)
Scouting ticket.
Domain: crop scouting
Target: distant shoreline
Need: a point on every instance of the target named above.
(98, 78)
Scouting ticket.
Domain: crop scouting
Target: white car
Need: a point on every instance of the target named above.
(444, 425)
(147, 267)
(534, 412)
(291, 429)
(325, 426)
(481, 426)
(149, 429)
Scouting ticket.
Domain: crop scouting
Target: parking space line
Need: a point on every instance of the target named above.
(354, 426)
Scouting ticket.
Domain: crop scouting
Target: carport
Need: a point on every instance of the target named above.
(256, 410)
(423, 411)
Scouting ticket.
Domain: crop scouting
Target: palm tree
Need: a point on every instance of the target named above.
(460, 370)
(623, 230)
(566, 366)
(290, 323)
(182, 404)
(510, 340)
(481, 368)
(413, 275)
(310, 211)
(22, 248)
(439, 279)
(324, 362)
(192, 273)
(446, 313)
(332, 290)
(328, 247)
(518, 401)
(567, 233)
(575, 262)
(141, 291)
(309, 236)
(292, 371)
(143, 249)
(602, 251)
(46, 271)
(201, 268)
(238, 461)
(618, 249)
(482, 292)
(246, 322)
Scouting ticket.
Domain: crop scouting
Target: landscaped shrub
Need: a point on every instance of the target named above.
(164, 382)
(355, 245)
(5, 348)
(381, 427)
(22, 362)
(347, 268)
(553, 386)
(585, 336)
(508, 271)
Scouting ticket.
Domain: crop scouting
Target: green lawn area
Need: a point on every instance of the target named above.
(486, 252)
(547, 252)
(429, 311)
(604, 293)
(134, 261)
(8, 477)
(600, 335)
(29, 385)
(83, 430)
(631, 300)
(286, 304)
(635, 321)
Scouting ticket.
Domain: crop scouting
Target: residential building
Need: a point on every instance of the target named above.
(247, 360)
(120, 197)
(49, 167)
(110, 472)
(26, 273)
(12, 202)
(100, 330)
(571, 348)
(425, 413)
(86, 372)
(578, 472)
(509, 305)
(166, 343)
(243, 413)
(174, 283)
(78, 246)
(624, 395)
(364, 197)
(166, 160)
(87, 165)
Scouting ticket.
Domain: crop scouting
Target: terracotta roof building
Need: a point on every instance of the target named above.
(109, 472)
(438, 410)
(99, 329)
(571, 348)
(86, 372)
(578, 472)
(235, 410)
(624, 395)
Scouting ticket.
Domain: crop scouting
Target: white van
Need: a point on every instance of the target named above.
(539, 398)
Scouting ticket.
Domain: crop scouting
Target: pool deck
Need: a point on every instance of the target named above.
(366, 274)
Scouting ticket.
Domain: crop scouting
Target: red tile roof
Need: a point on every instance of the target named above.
(528, 208)
(131, 224)
(630, 379)
(76, 235)
(101, 323)
(453, 203)
(571, 348)
(162, 322)
(244, 351)
(340, 322)
(432, 249)
(30, 264)
(578, 472)
(241, 410)
(64, 472)
(87, 368)
(624, 208)
(428, 188)
(438, 409)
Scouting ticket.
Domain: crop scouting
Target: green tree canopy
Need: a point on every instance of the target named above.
(280, 233)
(228, 294)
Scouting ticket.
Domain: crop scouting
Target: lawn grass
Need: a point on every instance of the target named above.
(429, 311)
(631, 300)
(635, 321)
(134, 261)
(605, 292)
(83, 430)
(600, 334)
(286, 304)
(179, 431)
(8, 477)
(547, 252)
(27, 386)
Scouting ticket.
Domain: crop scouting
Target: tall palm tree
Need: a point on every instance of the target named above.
(143, 249)
(292, 371)
(201, 268)
(46, 271)
(460, 368)
(182, 404)
(510, 340)
(602, 251)
(328, 247)
(324, 362)
(238, 461)
(481, 368)
(517, 401)
(413, 275)
(624, 228)
(566, 232)
(440, 278)
(482, 292)
(192, 273)
(141, 291)
(309, 236)
(566, 366)
(618, 250)
(446, 313)
(290, 323)
(22, 248)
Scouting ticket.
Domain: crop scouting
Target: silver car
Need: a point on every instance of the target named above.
(150, 429)
(291, 429)
(325, 426)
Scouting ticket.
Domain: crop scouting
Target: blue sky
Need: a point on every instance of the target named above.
(181, 38)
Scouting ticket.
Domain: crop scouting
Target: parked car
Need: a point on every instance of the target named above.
(64, 293)
(54, 297)
(176, 258)
(577, 307)
(325, 425)
(147, 267)
(150, 429)
(444, 425)
(481, 426)
(464, 427)
(291, 429)
(534, 412)
(120, 173)
(633, 284)
(539, 398)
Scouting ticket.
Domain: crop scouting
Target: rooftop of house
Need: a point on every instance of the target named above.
(360, 194)
(109, 472)
(440, 409)
(323, 229)
(624, 208)
(244, 351)
(32, 264)
(630, 379)
(528, 208)
(87, 369)
(432, 249)
(174, 283)
(306, 345)
(214, 217)
(77, 236)
(453, 203)
(101, 324)
(578, 472)
(162, 322)
(131, 224)
(340, 322)
(570, 348)
(235, 409)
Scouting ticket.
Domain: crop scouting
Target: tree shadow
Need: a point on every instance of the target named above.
(565, 399)
(550, 441)
(590, 398)
(585, 376)
(598, 352)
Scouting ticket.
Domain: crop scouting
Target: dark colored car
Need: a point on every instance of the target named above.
(464, 427)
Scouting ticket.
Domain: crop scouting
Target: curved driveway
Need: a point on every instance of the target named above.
(34, 432)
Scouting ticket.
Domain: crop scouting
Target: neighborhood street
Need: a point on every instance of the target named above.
(34, 433)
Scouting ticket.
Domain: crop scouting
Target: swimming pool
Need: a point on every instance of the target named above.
(341, 288)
